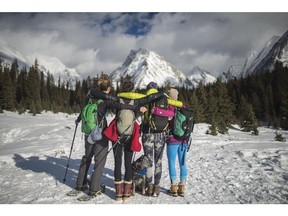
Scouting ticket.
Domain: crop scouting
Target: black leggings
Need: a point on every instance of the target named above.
(124, 145)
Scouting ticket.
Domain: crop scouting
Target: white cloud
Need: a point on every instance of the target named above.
(184, 39)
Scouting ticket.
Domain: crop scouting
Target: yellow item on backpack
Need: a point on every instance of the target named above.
(135, 96)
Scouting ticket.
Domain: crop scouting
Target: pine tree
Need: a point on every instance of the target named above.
(202, 99)
(284, 113)
(34, 87)
(199, 115)
(8, 92)
(21, 90)
(248, 119)
(44, 92)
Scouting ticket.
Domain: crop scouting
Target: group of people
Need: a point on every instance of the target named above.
(153, 143)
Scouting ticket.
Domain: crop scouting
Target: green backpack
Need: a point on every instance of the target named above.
(183, 124)
(88, 116)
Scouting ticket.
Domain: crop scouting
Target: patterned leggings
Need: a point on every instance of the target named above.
(153, 146)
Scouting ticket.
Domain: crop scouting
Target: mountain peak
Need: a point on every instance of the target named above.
(198, 75)
(145, 66)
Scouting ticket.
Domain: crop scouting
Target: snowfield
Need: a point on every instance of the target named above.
(237, 168)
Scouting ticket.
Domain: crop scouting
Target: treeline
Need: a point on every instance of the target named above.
(256, 100)
(260, 99)
(22, 90)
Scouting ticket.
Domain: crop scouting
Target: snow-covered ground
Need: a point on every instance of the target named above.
(224, 169)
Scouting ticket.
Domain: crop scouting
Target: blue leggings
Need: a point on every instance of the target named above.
(172, 150)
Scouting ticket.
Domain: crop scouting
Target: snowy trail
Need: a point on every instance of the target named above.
(226, 169)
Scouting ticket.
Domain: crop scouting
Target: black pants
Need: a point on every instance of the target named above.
(123, 146)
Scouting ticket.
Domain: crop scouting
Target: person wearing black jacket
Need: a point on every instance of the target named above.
(100, 149)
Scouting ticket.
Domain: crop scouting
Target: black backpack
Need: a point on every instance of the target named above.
(183, 124)
(159, 123)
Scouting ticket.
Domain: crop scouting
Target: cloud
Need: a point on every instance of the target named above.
(95, 42)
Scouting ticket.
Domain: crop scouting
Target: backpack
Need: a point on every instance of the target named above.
(159, 123)
(125, 120)
(183, 124)
(88, 116)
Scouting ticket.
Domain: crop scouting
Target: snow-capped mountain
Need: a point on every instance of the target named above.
(261, 56)
(234, 71)
(276, 49)
(197, 75)
(46, 64)
(278, 52)
(55, 67)
(144, 66)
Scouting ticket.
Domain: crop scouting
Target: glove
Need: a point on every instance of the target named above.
(77, 121)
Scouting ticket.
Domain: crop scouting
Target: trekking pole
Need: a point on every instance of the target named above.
(64, 180)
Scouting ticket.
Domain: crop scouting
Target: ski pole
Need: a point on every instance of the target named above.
(64, 180)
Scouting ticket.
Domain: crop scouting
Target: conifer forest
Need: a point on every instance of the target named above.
(257, 100)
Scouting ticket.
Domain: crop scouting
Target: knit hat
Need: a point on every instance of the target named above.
(173, 93)
(152, 85)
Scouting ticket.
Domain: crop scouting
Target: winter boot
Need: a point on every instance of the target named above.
(173, 190)
(150, 190)
(181, 188)
(156, 190)
(127, 189)
(119, 190)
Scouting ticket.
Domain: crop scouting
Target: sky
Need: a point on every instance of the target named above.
(92, 41)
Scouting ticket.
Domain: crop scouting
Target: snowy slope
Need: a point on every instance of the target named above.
(262, 55)
(46, 64)
(56, 67)
(226, 169)
(145, 66)
(197, 75)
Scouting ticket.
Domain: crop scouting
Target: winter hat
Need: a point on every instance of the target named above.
(173, 93)
(152, 85)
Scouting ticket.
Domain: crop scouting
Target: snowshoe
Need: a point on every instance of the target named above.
(89, 196)
(74, 192)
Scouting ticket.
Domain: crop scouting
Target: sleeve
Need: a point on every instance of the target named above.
(150, 98)
(102, 95)
(114, 105)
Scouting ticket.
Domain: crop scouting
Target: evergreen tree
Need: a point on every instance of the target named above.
(8, 92)
(199, 115)
(202, 99)
(21, 90)
(34, 88)
(248, 119)
(284, 113)
(44, 92)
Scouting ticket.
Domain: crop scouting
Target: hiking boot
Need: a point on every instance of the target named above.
(127, 189)
(156, 190)
(173, 190)
(150, 190)
(119, 190)
(181, 188)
